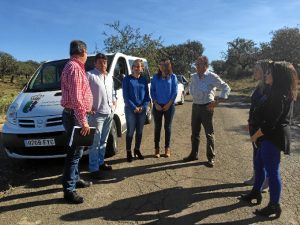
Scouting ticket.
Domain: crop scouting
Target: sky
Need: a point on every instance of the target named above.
(42, 30)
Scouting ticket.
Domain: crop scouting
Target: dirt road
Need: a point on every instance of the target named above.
(154, 191)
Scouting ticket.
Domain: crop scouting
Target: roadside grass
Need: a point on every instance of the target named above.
(8, 92)
(243, 86)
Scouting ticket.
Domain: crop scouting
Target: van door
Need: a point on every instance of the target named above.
(120, 70)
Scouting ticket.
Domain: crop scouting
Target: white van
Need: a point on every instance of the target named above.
(33, 127)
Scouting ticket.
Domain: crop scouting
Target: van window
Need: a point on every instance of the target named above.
(120, 71)
(47, 77)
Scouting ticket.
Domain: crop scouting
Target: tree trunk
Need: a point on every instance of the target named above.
(12, 79)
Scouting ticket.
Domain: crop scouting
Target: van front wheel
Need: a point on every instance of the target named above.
(112, 141)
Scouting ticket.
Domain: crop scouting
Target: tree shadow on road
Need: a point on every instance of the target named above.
(168, 206)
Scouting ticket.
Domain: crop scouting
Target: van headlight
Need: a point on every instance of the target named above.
(11, 115)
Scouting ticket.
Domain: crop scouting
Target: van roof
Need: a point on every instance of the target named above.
(108, 54)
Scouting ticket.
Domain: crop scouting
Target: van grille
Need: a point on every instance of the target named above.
(26, 123)
(54, 122)
(29, 123)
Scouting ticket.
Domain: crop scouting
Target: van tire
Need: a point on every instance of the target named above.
(112, 141)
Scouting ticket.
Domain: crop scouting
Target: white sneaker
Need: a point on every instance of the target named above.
(265, 184)
(250, 181)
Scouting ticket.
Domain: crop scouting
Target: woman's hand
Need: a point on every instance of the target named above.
(257, 135)
(157, 107)
(167, 106)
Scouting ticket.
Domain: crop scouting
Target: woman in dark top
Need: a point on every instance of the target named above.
(273, 112)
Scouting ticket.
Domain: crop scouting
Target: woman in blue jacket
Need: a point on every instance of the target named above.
(274, 113)
(136, 98)
(261, 89)
(163, 92)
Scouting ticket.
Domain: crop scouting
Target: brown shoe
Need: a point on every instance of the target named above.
(156, 154)
(167, 152)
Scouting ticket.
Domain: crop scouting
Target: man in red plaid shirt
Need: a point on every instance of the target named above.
(77, 102)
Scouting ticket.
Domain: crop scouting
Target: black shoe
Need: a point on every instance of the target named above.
(83, 184)
(72, 197)
(129, 156)
(270, 210)
(211, 163)
(191, 157)
(96, 175)
(105, 167)
(138, 154)
(254, 194)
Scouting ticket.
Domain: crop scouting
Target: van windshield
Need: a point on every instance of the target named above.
(47, 77)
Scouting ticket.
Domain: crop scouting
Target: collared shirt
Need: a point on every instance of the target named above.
(75, 88)
(102, 87)
(135, 92)
(203, 90)
(163, 90)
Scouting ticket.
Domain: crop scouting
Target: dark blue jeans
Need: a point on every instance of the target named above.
(71, 172)
(134, 122)
(267, 163)
(168, 117)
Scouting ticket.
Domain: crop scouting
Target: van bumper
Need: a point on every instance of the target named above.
(14, 145)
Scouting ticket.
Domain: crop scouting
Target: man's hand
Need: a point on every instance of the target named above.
(212, 105)
(85, 130)
(114, 105)
(93, 111)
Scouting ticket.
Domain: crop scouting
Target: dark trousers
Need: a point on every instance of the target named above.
(168, 116)
(71, 172)
(202, 116)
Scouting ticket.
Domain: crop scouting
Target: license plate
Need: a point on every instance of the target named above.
(39, 142)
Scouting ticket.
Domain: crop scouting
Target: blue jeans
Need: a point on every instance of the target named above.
(267, 163)
(158, 115)
(134, 122)
(71, 172)
(102, 122)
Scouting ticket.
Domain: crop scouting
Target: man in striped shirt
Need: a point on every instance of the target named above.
(77, 102)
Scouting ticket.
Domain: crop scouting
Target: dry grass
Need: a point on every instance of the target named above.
(243, 86)
(8, 91)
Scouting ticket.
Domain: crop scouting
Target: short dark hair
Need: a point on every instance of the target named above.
(100, 56)
(77, 47)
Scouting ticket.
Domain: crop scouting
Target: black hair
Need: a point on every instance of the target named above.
(100, 56)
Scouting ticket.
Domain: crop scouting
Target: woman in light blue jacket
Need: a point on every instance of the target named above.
(163, 93)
